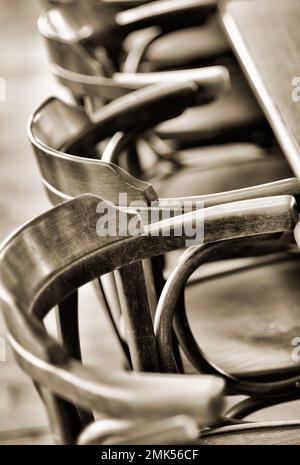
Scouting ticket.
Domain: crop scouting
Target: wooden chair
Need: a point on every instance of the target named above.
(66, 176)
(218, 176)
(88, 72)
(146, 108)
(96, 25)
(66, 152)
(215, 171)
(178, 48)
(58, 261)
(161, 53)
(56, 268)
(153, 23)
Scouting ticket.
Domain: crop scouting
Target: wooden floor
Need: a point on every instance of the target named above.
(28, 81)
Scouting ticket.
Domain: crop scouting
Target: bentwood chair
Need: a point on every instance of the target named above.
(141, 407)
(218, 179)
(100, 26)
(66, 144)
(82, 22)
(58, 261)
(87, 72)
(65, 176)
(186, 46)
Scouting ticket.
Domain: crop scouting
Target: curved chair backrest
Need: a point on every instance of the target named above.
(86, 74)
(62, 231)
(66, 176)
(89, 74)
(97, 25)
(241, 219)
(78, 135)
(60, 171)
(92, 75)
(63, 250)
(57, 267)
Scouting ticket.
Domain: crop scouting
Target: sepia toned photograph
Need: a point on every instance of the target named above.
(149, 235)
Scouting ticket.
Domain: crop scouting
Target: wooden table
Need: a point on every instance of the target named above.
(265, 34)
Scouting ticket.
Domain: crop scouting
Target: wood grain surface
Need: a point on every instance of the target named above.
(265, 35)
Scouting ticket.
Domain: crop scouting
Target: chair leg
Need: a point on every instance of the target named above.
(136, 311)
(65, 422)
(69, 332)
(98, 284)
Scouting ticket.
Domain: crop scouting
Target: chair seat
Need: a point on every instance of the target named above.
(245, 320)
(234, 109)
(222, 169)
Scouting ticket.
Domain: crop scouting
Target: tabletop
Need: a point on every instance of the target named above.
(265, 35)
